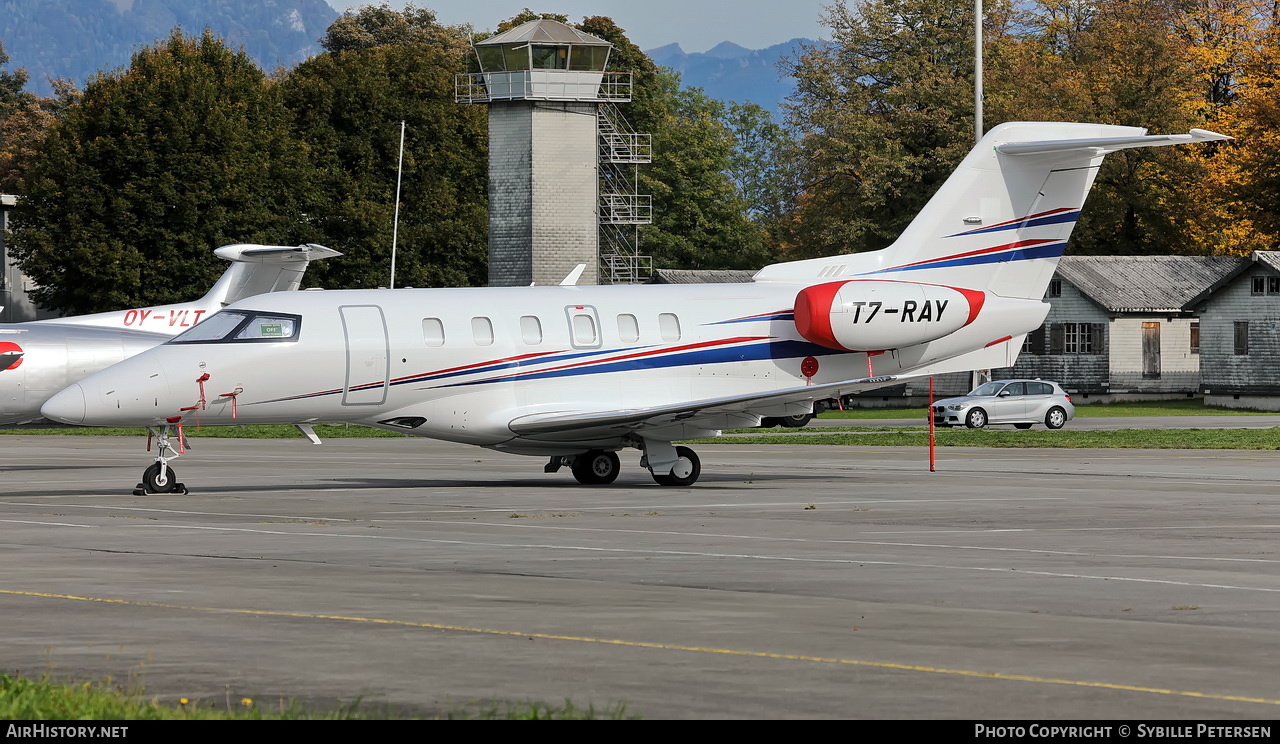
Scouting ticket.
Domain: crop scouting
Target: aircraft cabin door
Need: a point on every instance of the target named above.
(368, 358)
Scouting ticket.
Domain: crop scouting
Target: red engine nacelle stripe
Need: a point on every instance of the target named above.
(813, 314)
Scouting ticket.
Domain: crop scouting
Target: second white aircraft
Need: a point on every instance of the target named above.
(577, 374)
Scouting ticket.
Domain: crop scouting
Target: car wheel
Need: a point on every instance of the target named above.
(1022, 426)
(1056, 418)
(976, 418)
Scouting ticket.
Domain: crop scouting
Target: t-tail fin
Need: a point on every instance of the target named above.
(1000, 222)
(255, 269)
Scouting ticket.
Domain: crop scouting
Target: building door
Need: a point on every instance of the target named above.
(368, 361)
(1150, 351)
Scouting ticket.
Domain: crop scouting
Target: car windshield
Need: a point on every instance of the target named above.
(991, 388)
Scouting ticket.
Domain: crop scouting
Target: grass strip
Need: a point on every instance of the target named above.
(68, 704)
(1183, 407)
(1238, 439)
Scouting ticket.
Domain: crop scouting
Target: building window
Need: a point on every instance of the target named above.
(1195, 337)
(482, 331)
(1055, 288)
(1273, 285)
(1076, 338)
(531, 330)
(1035, 341)
(1242, 337)
(1259, 285)
(433, 331)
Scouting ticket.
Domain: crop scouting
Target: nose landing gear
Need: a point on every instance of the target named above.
(159, 477)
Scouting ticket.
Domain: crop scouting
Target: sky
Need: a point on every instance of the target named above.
(696, 25)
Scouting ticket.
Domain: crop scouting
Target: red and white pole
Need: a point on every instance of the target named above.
(932, 438)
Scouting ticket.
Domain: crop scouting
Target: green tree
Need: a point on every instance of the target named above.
(882, 112)
(700, 220)
(12, 83)
(382, 67)
(186, 150)
(761, 165)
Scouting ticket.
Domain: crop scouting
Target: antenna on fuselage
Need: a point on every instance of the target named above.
(395, 223)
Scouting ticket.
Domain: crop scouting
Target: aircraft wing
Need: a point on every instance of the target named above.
(710, 413)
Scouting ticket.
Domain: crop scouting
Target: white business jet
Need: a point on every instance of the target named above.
(39, 358)
(576, 374)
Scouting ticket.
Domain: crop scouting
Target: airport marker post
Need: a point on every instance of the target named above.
(929, 415)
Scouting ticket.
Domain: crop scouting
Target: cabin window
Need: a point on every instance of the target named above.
(669, 327)
(584, 330)
(1055, 288)
(1273, 285)
(628, 329)
(1242, 337)
(482, 331)
(531, 330)
(1195, 337)
(433, 332)
(1259, 285)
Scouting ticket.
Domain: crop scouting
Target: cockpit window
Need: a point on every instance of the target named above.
(214, 328)
(278, 327)
(242, 326)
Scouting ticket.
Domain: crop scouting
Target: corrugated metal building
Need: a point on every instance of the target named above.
(1240, 335)
(1120, 327)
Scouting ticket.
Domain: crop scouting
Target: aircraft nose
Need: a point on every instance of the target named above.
(66, 406)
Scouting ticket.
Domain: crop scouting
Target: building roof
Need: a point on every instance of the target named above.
(705, 276)
(1266, 258)
(1127, 284)
(544, 31)
(8, 200)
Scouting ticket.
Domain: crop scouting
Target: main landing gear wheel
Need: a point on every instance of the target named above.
(685, 472)
(596, 468)
(160, 479)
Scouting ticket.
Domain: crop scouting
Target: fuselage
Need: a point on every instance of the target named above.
(462, 364)
(45, 357)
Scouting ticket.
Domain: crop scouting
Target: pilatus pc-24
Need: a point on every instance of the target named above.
(575, 375)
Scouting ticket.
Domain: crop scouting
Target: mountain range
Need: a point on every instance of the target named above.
(76, 39)
(729, 72)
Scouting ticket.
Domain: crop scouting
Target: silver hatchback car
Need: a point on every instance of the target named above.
(1018, 402)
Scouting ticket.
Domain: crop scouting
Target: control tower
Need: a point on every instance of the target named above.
(561, 159)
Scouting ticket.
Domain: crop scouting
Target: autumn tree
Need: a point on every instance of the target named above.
(882, 112)
(185, 150)
(382, 67)
(1111, 62)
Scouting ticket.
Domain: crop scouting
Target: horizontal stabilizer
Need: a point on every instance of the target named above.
(1103, 145)
(258, 269)
(252, 253)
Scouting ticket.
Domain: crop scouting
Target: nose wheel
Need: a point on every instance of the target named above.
(159, 477)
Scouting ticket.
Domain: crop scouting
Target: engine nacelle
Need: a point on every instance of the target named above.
(876, 315)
